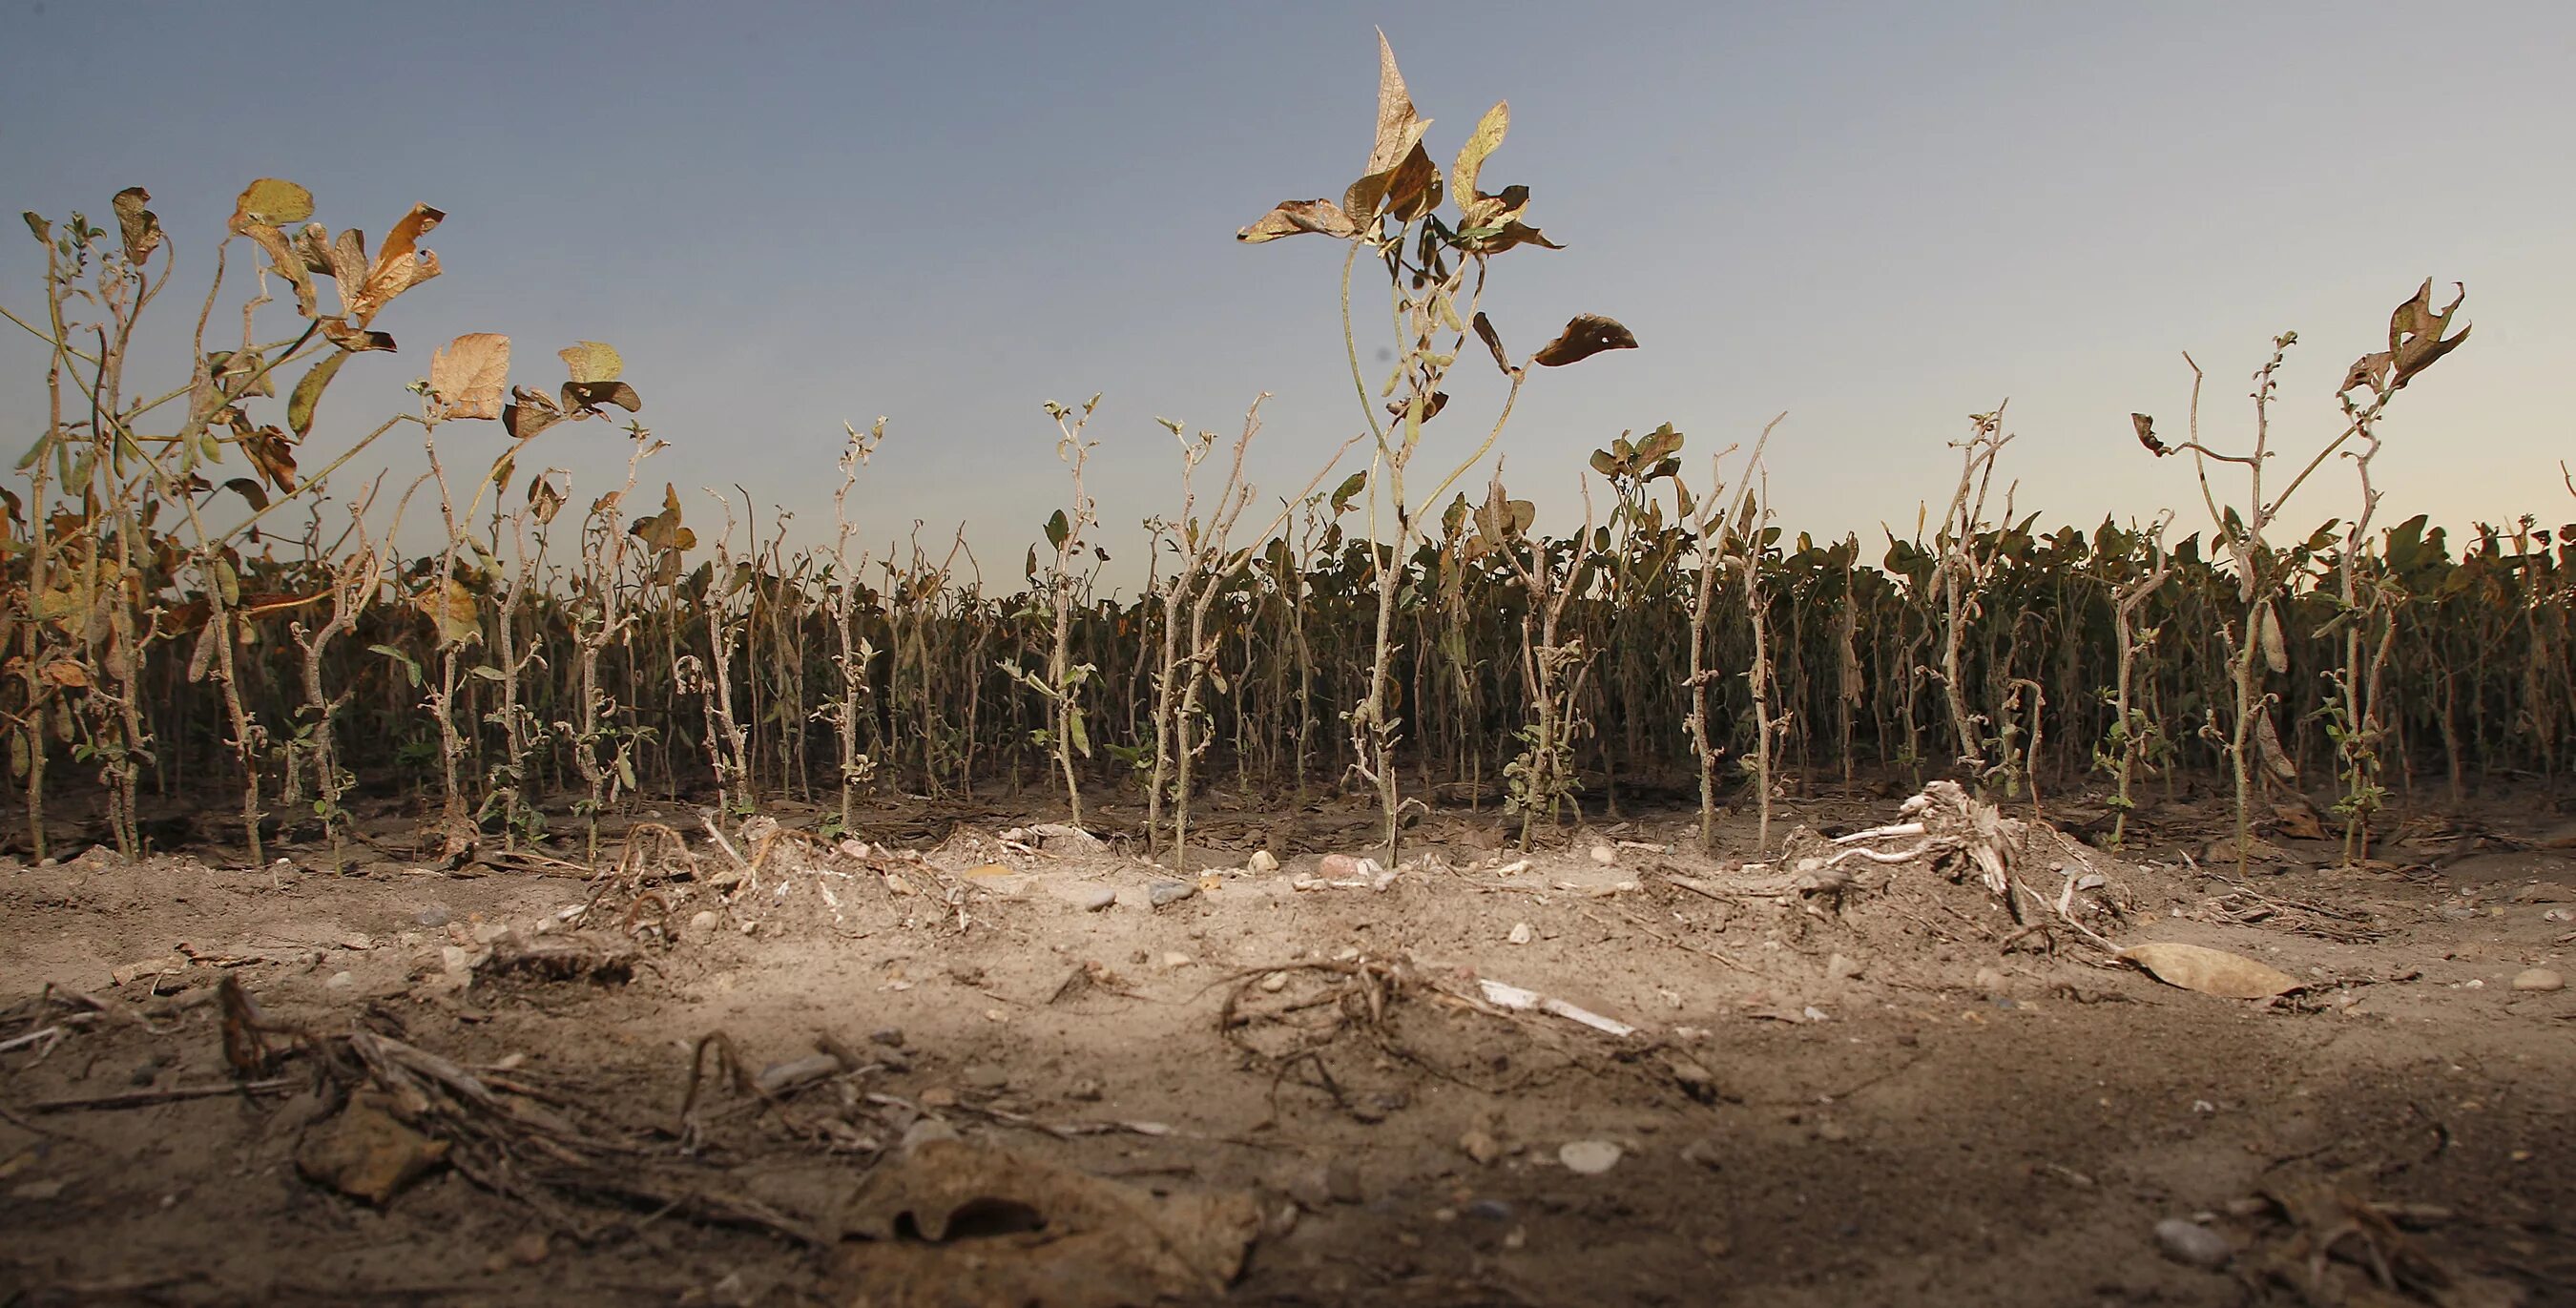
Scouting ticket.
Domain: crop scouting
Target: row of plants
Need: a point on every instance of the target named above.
(201, 598)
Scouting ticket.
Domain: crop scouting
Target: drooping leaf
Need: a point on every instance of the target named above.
(2210, 971)
(1585, 335)
(1493, 341)
(592, 361)
(1058, 529)
(1351, 486)
(273, 454)
(2146, 428)
(36, 224)
(1292, 217)
(252, 492)
(140, 226)
(355, 340)
(308, 393)
(586, 397)
(466, 378)
(529, 413)
(271, 202)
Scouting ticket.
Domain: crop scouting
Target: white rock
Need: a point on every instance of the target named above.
(342, 980)
(702, 922)
(2540, 980)
(1521, 934)
(1604, 855)
(2192, 1244)
(1263, 862)
(1589, 1157)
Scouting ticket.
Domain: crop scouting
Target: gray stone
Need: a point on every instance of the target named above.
(1169, 892)
(2192, 1244)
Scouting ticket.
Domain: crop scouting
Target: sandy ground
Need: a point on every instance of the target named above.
(997, 1070)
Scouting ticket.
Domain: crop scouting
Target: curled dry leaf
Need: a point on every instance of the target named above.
(662, 531)
(2415, 342)
(529, 413)
(2146, 429)
(1293, 217)
(2210, 971)
(1587, 334)
(466, 378)
(273, 453)
(586, 397)
(398, 267)
(140, 227)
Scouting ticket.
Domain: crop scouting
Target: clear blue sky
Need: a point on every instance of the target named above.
(1878, 217)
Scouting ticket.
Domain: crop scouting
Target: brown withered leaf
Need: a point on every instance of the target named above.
(289, 264)
(450, 607)
(532, 412)
(1295, 217)
(355, 340)
(1493, 341)
(64, 672)
(313, 243)
(140, 226)
(592, 361)
(2210, 971)
(1398, 129)
(1413, 189)
(2415, 333)
(467, 376)
(1587, 334)
(544, 498)
(273, 453)
(2146, 428)
(662, 531)
(1431, 406)
(398, 267)
(1513, 233)
(586, 397)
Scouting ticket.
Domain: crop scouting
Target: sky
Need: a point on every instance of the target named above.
(1874, 218)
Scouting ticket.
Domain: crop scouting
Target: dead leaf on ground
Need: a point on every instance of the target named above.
(2210, 971)
(960, 1223)
(366, 1152)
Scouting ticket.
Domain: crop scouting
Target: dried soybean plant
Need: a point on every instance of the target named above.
(1436, 274)
(2263, 571)
(1067, 732)
(854, 653)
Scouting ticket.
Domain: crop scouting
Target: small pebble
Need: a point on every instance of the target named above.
(1088, 896)
(1169, 892)
(1275, 982)
(1589, 1157)
(1490, 1210)
(702, 922)
(1263, 861)
(1604, 855)
(436, 915)
(2192, 1244)
(342, 980)
(1481, 1146)
(2539, 980)
(1521, 934)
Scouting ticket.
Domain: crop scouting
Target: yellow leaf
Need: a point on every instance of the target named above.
(271, 202)
(450, 606)
(591, 361)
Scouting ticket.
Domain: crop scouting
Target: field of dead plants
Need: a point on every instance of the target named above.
(1393, 899)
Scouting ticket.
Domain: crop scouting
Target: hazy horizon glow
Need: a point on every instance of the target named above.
(1876, 218)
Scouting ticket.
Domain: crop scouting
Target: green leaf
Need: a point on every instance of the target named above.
(308, 392)
(1058, 529)
(1080, 735)
(409, 664)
